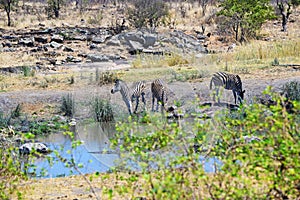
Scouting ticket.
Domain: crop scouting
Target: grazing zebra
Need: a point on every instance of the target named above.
(129, 95)
(159, 92)
(229, 82)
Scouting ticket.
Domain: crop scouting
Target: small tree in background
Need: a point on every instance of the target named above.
(246, 17)
(147, 13)
(8, 6)
(285, 9)
(54, 7)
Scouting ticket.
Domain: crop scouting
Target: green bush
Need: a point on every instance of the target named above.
(255, 151)
(67, 105)
(10, 166)
(101, 110)
(147, 13)
(292, 90)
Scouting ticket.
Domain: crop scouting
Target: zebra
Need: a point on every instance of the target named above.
(229, 82)
(129, 95)
(159, 92)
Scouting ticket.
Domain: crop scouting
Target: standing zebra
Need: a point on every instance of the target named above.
(159, 92)
(229, 82)
(130, 95)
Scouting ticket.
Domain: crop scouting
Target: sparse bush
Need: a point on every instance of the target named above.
(275, 62)
(95, 19)
(67, 105)
(176, 59)
(147, 13)
(71, 80)
(101, 110)
(54, 7)
(27, 71)
(187, 74)
(106, 77)
(291, 90)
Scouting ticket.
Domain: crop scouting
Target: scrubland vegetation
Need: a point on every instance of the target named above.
(253, 152)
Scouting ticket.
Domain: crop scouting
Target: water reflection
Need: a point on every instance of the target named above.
(95, 138)
(94, 155)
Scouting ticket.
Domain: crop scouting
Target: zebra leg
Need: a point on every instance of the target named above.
(217, 94)
(137, 104)
(144, 100)
(234, 94)
(163, 101)
(153, 99)
(129, 106)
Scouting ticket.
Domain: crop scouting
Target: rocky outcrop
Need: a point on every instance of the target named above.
(63, 45)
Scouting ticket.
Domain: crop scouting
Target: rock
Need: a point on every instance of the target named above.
(33, 147)
(97, 58)
(99, 40)
(29, 42)
(93, 46)
(10, 37)
(55, 45)
(80, 37)
(137, 41)
(41, 39)
(68, 49)
(57, 38)
(113, 41)
(73, 59)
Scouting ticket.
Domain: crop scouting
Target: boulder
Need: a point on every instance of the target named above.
(55, 45)
(29, 42)
(57, 38)
(33, 147)
(113, 41)
(41, 39)
(97, 58)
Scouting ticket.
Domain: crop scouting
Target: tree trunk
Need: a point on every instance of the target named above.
(8, 18)
(285, 15)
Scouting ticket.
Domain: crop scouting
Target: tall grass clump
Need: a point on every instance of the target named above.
(253, 154)
(292, 90)
(266, 50)
(27, 71)
(101, 110)
(67, 105)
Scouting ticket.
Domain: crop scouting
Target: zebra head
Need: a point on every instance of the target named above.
(117, 86)
(241, 95)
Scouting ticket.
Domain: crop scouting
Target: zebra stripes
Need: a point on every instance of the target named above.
(159, 92)
(229, 82)
(130, 95)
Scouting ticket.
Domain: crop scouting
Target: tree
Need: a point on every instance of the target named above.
(245, 17)
(147, 13)
(8, 5)
(54, 7)
(285, 8)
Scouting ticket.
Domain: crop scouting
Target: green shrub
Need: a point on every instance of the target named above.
(101, 110)
(292, 90)
(67, 105)
(11, 173)
(147, 13)
(266, 166)
(27, 71)
(106, 77)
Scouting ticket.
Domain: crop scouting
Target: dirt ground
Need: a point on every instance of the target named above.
(45, 102)
(76, 187)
